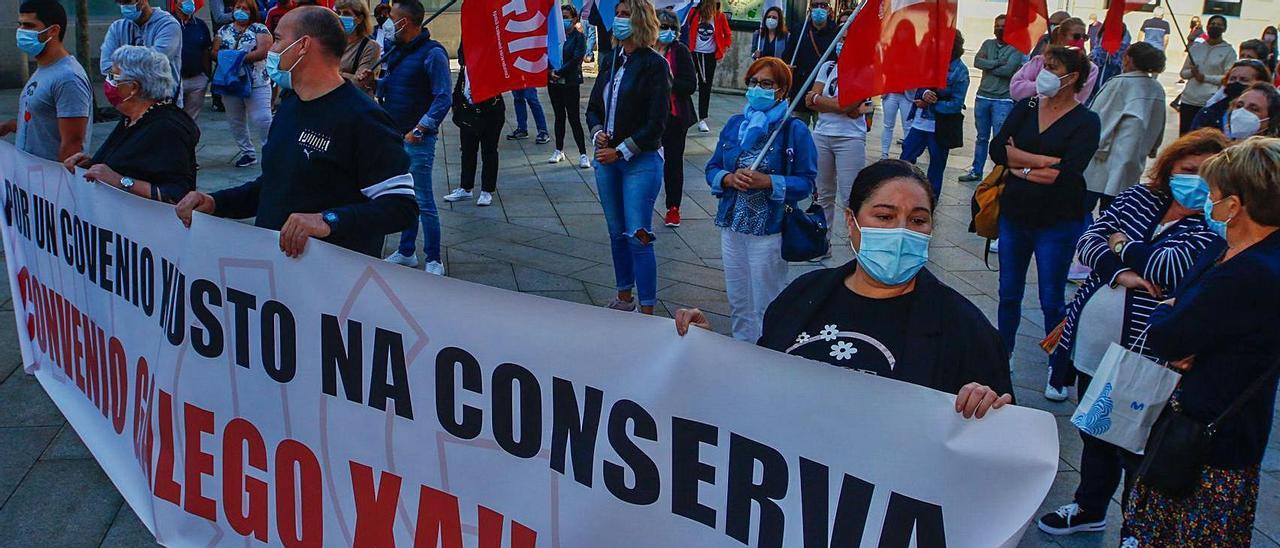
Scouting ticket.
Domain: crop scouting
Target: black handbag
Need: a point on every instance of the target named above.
(804, 232)
(1176, 451)
(949, 129)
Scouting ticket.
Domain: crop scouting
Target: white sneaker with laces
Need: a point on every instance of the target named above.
(556, 157)
(485, 199)
(434, 267)
(1055, 394)
(458, 195)
(702, 126)
(584, 162)
(410, 261)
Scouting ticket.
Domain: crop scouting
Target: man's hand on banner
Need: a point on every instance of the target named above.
(102, 173)
(78, 159)
(974, 400)
(194, 201)
(686, 317)
(299, 227)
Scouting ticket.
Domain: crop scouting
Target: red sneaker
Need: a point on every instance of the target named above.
(673, 217)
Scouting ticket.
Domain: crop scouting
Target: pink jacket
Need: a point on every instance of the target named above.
(1023, 84)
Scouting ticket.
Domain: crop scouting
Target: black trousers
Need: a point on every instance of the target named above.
(565, 104)
(482, 139)
(1101, 466)
(673, 160)
(1186, 115)
(706, 65)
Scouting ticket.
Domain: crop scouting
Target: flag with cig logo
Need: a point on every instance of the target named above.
(516, 41)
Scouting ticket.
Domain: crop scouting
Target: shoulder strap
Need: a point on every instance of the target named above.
(784, 132)
(1244, 397)
(355, 63)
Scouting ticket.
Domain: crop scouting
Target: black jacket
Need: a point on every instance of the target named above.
(574, 48)
(643, 97)
(684, 81)
(947, 331)
(160, 149)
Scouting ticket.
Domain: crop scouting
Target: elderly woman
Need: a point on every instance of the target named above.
(245, 33)
(884, 313)
(1220, 329)
(752, 201)
(1131, 109)
(152, 151)
(1243, 73)
(360, 60)
(1139, 249)
(1253, 113)
(627, 114)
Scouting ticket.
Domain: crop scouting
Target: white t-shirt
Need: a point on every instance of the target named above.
(834, 124)
(706, 37)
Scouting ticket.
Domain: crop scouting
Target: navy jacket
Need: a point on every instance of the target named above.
(415, 88)
(574, 48)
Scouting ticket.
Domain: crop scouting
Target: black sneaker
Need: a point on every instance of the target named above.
(970, 177)
(1069, 519)
(246, 160)
(542, 139)
(518, 134)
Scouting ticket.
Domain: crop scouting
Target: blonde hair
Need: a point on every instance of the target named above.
(708, 10)
(1249, 170)
(364, 22)
(644, 23)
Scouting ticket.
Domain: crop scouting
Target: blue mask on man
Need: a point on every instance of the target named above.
(282, 78)
(188, 7)
(819, 15)
(892, 256)
(622, 28)
(29, 42)
(130, 12)
(1188, 189)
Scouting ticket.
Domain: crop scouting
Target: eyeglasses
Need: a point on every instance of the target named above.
(667, 27)
(764, 84)
(1077, 36)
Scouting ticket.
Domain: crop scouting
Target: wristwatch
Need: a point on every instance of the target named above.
(126, 183)
(330, 218)
(1026, 171)
(1119, 247)
(417, 133)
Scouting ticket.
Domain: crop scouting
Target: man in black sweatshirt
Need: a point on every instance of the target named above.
(333, 167)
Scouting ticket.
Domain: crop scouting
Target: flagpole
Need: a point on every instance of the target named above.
(808, 83)
(804, 26)
(1186, 45)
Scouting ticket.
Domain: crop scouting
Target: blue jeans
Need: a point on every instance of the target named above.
(422, 157)
(915, 144)
(528, 96)
(1053, 247)
(989, 116)
(628, 190)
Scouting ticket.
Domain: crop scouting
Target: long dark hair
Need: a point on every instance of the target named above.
(782, 21)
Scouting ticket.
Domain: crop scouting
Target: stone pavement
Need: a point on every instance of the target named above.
(544, 234)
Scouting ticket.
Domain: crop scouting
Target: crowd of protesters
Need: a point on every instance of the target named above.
(1178, 259)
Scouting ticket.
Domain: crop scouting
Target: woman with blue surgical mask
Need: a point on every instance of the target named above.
(359, 62)
(884, 313)
(1139, 250)
(246, 33)
(684, 81)
(563, 87)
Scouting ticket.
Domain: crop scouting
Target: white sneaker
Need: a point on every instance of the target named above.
(410, 261)
(434, 267)
(485, 199)
(1055, 394)
(994, 246)
(457, 195)
(584, 162)
(702, 126)
(556, 157)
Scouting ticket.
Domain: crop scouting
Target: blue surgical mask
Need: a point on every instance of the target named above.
(130, 11)
(348, 23)
(666, 36)
(282, 78)
(240, 15)
(188, 7)
(1218, 227)
(568, 24)
(892, 256)
(1188, 189)
(29, 42)
(761, 99)
(622, 28)
(819, 15)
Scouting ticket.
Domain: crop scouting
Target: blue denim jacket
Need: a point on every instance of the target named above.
(796, 186)
(950, 98)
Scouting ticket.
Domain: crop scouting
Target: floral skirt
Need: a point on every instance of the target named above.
(1219, 513)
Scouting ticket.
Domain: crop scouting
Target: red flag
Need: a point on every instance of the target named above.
(505, 42)
(896, 45)
(1025, 22)
(1113, 25)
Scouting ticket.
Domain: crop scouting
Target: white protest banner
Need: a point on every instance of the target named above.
(237, 396)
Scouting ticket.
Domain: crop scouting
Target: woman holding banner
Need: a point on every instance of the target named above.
(628, 112)
(884, 313)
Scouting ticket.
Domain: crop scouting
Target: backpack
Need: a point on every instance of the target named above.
(231, 77)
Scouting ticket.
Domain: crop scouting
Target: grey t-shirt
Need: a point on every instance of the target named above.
(57, 90)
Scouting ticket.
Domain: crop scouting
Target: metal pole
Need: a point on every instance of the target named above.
(808, 83)
(804, 26)
(1183, 37)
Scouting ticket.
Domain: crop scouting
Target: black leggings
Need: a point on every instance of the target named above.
(565, 101)
(706, 65)
(484, 140)
(1186, 115)
(673, 160)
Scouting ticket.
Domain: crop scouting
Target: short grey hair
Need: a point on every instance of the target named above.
(669, 17)
(147, 67)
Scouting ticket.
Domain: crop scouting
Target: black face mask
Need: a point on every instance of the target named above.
(381, 19)
(1215, 33)
(1000, 35)
(1234, 89)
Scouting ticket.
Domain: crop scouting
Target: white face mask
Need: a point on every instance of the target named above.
(1047, 83)
(1243, 124)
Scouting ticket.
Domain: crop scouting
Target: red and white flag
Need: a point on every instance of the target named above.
(505, 42)
(1025, 22)
(896, 45)
(1113, 25)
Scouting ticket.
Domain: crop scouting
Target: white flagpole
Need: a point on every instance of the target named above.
(803, 26)
(808, 83)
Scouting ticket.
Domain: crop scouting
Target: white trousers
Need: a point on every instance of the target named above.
(754, 275)
(193, 95)
(255, 111)
(894, 105)
(839, 161)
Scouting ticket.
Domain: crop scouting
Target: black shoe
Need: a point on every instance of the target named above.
(542, 139)
(217, 104)
(518, 134)
(1070, 518)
